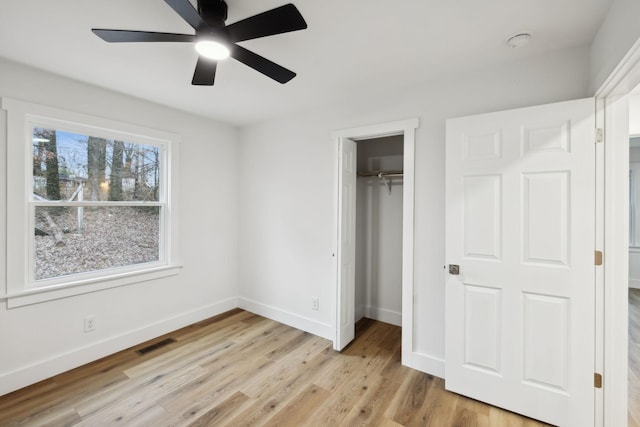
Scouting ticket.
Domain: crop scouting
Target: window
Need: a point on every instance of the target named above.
(91, 207)
(96, 203)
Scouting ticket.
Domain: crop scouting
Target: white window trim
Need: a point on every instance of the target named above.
(32, 122)
(20, 289)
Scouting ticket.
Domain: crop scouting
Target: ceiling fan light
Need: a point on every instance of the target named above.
(212, 50)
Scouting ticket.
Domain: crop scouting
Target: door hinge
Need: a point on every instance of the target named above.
(599, 135)
(597, 380)
(598, 258)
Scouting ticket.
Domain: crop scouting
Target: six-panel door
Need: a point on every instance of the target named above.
(520, 223)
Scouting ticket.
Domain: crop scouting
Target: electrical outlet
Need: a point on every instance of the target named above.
(315, 303)
(90, 323)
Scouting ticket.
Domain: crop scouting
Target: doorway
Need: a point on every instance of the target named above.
(612, 184)
(345, 226)
(633, 376)
(379, 191)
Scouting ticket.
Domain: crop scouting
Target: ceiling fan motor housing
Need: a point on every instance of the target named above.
(213, 12)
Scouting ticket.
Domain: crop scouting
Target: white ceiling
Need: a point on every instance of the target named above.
(352, 48)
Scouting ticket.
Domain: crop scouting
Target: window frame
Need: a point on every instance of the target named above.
(22, 287)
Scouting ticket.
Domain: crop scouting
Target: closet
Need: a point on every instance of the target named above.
(379, 194)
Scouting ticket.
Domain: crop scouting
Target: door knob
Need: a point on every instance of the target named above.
(454, 269)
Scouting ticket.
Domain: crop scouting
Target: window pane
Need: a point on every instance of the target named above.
(71, 240)
(71, 166)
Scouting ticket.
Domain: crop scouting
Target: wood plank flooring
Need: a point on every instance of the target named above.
(239, 369)
(634, 358)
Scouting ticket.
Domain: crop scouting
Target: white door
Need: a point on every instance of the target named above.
(520, 196)
(346, 244)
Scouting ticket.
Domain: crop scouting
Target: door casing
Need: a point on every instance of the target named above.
(612, 234)
(407, 129)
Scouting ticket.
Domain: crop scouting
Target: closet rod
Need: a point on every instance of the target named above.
(390, 174)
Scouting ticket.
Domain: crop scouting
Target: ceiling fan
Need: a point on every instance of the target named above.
(216, 41)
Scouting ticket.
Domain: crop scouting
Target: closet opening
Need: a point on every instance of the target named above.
(384, 156)
(379, 197)
(384, 162)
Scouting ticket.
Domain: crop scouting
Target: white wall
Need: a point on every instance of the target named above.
(379, 232)
(40, 340)
(287, 203)
(634, 155)
(618, 32)
(634, 115)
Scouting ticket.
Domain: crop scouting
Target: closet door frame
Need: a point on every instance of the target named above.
(407, 129)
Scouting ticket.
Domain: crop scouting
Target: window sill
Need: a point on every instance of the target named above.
(50, 293)
(635, 249)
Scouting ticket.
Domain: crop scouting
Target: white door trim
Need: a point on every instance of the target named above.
(613, 114)
(407, 128)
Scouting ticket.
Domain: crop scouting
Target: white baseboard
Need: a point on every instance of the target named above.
(294, 320)
(360, 312)
(54, 365)
(634, 283)
(383, 315)
(425, 363)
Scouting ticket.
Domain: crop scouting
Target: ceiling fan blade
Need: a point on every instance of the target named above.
(280, 20)
(262, 65)
(126, 36)
(185, 9)
(205, 72)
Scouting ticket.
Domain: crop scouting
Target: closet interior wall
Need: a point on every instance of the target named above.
(379, 230)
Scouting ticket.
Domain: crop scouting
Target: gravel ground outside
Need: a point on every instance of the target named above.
(112, 237)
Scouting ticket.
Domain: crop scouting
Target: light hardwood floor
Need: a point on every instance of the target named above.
(239, 369)
(634, 358)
